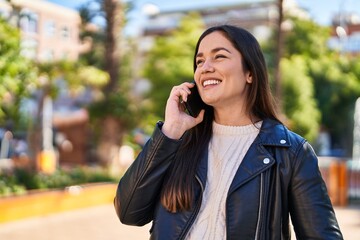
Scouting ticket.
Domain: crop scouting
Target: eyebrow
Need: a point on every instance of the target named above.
(214, 51)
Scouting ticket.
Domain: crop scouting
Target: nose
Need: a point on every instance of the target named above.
(207, 67)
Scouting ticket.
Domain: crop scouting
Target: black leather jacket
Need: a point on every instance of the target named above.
(279, 175)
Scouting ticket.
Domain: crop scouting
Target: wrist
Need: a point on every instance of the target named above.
(172, 131)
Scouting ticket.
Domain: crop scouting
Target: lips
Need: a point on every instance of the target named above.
(210, 82)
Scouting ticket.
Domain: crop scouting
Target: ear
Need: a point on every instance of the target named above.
(249, 77)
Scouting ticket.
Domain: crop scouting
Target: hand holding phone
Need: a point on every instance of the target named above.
(177, 121)
(194, 103)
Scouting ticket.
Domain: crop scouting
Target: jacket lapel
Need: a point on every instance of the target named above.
(258, 158)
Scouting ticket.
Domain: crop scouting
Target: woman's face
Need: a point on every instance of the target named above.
(220, 75)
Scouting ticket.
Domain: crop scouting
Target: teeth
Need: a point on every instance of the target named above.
(211, 82)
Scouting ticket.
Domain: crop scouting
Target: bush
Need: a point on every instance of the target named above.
(20, 180)
(10, 186)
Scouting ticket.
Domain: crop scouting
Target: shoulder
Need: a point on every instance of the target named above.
(288, 146)
(275, 134)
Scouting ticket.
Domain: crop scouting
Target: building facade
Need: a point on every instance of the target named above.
(258, 17)
(345, 36)
(49, 32)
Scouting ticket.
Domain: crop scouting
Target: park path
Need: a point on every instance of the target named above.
(101, 223)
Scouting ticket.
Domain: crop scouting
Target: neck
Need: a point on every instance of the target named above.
(229, 117)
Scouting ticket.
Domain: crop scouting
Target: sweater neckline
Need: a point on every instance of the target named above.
(219, 129)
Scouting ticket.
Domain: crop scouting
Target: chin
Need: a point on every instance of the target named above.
(209, 102)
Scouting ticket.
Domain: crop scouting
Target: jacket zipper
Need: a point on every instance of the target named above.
(257, 232)
(193, 216)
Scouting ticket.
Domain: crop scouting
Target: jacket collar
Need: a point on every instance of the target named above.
(272, 133)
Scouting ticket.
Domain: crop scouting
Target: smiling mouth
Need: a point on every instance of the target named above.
(211, 82)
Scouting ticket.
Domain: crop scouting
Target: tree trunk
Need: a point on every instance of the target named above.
(35, 133)
(111, 127)
(110, 141)
(279, 42)
(114, 21)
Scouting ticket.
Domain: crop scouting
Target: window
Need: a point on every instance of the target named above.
(50, 28)
(28, 21)
(29, 48)
(65, 33)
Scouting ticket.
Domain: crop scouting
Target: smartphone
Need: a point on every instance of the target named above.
(194, 103)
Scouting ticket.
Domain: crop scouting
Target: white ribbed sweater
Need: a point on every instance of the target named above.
(227, 149)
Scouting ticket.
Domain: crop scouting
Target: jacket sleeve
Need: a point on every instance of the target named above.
(139, 189)
(311, 211)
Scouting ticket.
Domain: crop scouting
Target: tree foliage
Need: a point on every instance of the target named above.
(77, 76)
(18, 76)
(170, 61)
(106, 54)
(306, 38)
(299, 103)
(335, 82)
(337, 86)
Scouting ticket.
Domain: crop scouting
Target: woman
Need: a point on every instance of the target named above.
(234, 171)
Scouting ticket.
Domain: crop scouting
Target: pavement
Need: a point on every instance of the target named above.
(101, 223)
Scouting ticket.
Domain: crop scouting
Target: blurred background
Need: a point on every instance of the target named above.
(83, 82)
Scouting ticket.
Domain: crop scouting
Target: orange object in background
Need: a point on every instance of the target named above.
(46, 161)
(337, 183)
(343, 184)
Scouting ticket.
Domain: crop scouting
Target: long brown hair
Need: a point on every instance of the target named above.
(177, 193)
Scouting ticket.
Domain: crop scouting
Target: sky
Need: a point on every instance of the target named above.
(320, 10)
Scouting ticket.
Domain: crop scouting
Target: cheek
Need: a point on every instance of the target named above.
(196, 75)
(238, 74)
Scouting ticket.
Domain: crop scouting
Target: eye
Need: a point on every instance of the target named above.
(199, 62)
(220, 56)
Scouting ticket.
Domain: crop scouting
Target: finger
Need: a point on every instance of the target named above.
(181, 87)
(181, 94)
(185, 89)
(184, 95)
(189, 84)
(182, 107)
(200, 117)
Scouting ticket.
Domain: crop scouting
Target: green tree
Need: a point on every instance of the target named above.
(335, 82)
(77, 78)
(299, 103)
(114, 113)
(18, 76)
(170, 61)
(335, 77)
(337, 86)
(306, 38)
(105, 40)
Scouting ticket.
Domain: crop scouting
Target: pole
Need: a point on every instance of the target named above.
(279, 45)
